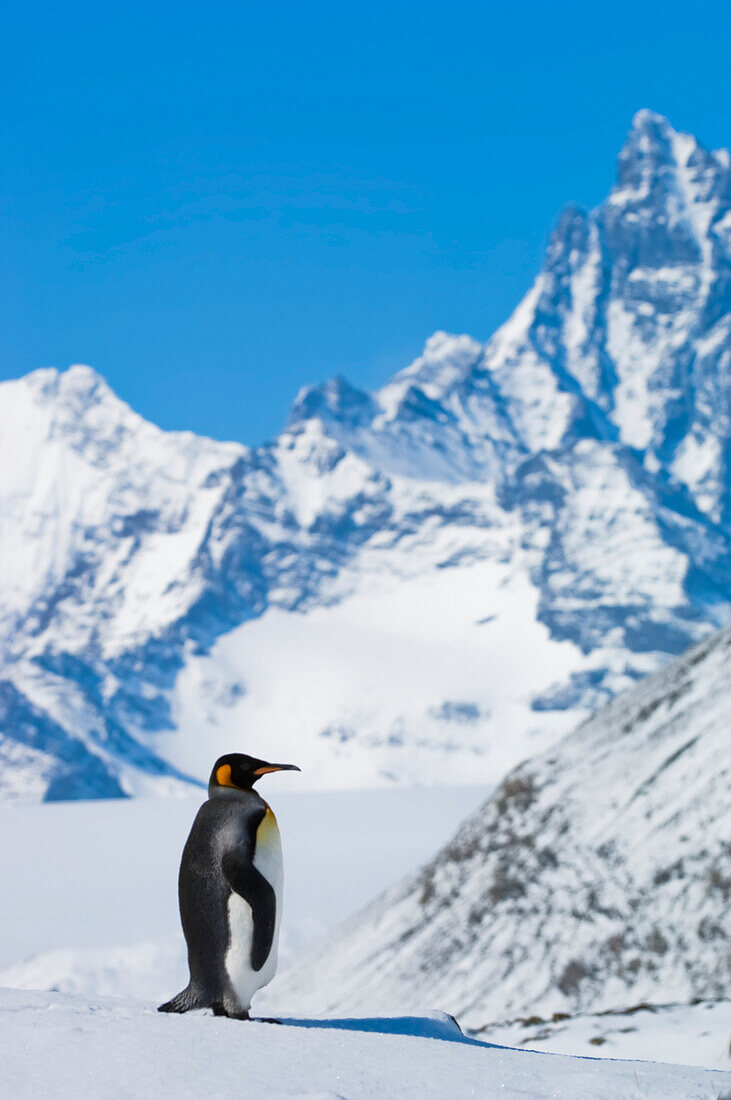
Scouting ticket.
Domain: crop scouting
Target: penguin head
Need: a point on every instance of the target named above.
(238, 772)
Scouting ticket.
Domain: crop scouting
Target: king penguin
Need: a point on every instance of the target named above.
(230, 891)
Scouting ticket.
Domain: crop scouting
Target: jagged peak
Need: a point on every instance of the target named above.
(655, 134)
(446, 359)
(675, 184)
(82, 372)
(655, 152)
(77, 382)
(649, 148)
(80, 395)
(82, 379)
(443, 347)
(651, 122)
(334, 399)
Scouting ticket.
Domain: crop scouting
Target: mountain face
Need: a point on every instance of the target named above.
(425, 583)
(546, 900)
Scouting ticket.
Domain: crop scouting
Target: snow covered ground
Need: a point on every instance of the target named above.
(56, 1045)
(694, 1035)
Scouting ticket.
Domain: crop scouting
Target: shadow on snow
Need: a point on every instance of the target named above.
(440, 1026)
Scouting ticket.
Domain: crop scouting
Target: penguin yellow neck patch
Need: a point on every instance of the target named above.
(223, 776)
(268, 831)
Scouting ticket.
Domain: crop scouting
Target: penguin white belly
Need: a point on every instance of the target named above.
(268, 861)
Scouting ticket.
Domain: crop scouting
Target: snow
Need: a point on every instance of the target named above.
(691, 1034)
(627, 346)
(585, 288)
(357, 693)
(61, 1046)
(68, 488)
(696, 458)
(445, 361)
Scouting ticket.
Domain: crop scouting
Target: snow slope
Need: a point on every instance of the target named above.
(55, 1045)
(597, 876)
(426, 583)
(402, 679)
(694, 1034)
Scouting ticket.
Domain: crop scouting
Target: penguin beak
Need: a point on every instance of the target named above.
(265, 768)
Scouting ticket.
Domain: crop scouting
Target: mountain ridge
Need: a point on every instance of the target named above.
(583, 451)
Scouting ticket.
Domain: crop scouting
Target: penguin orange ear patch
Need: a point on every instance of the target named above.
(223, 776)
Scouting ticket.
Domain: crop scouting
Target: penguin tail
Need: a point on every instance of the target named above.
(184, 1001)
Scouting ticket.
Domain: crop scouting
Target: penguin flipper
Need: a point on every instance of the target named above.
(184, 1001)
(250, 884)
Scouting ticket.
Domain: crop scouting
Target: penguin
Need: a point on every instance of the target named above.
(230, 891)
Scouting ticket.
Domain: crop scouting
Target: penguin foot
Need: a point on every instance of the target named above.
(181, 1002)
(265, 1020)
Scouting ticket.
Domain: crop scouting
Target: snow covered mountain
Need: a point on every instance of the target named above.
(595, 878)
(432, 581)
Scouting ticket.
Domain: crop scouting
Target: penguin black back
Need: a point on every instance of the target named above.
(229, 890)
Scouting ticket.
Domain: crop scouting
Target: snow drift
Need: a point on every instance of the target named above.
(78, 1047)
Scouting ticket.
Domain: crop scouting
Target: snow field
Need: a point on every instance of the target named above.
(693, 1035)
(60, 1046)
(410, 679)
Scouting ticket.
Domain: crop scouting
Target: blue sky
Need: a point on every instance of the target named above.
(216, 204)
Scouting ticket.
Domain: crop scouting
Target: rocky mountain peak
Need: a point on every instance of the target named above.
(649, 150)
(334, 401)
(579, 459)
